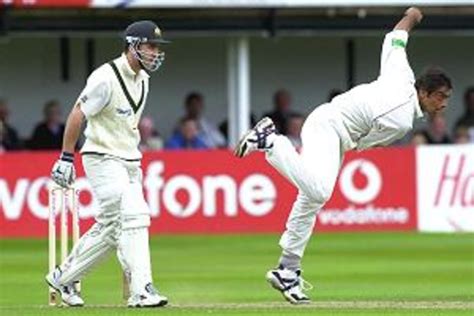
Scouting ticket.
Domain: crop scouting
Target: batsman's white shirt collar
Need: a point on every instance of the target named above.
(127, 70)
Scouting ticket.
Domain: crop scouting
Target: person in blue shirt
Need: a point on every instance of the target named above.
(186, 137)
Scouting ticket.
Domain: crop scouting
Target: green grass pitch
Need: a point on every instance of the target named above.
(353, 274)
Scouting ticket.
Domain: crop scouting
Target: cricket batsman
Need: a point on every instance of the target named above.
(112, 103)
(369, 115)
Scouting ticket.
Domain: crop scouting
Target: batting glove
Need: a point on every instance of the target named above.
(63, 172)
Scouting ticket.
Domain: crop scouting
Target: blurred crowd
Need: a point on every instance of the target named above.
(193, 130)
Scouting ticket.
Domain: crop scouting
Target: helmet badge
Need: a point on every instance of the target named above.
(157, 32)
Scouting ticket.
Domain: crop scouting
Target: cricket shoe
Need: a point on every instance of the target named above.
(69, 295)
(290, 284)
(149, 298)
(258, 138)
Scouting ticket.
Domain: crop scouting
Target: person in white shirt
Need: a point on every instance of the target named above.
(112, 103)
(150, 140)
(369, 115)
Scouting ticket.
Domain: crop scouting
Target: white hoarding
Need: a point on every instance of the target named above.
(445, 188)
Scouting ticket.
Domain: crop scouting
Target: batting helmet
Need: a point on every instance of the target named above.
(142, 32)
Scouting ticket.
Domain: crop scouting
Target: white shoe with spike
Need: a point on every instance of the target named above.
(260, 137)
(290, 284)
(69, 295)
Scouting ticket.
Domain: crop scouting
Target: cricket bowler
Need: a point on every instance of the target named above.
(112, 103)
(369, 115)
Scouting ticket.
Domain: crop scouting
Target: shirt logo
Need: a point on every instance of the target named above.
(396, 42)
(84, 99)
(124, 112)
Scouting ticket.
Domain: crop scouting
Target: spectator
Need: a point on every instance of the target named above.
(186, 137)
(467, 119)
(418, 138)
(149, 137)
(437, 132)
(334, 93)
(49, 133)
(281, 110)
(461, 135)
(294, 124)
(10, 140)
(208, 132)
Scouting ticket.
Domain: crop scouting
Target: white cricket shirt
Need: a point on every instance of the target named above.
(112, 116)
(383, 111)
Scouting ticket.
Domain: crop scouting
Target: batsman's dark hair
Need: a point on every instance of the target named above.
(433, 79)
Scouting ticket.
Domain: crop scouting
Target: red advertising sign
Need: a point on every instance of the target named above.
(213, 192)
(375, 191)
(192, 192)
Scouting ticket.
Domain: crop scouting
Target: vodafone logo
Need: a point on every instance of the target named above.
(360, 181)
(181, 195)
(255, 194)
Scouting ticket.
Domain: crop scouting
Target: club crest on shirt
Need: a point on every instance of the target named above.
(124, 112)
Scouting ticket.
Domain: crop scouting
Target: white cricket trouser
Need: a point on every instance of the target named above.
(313, 172)
(122, 222)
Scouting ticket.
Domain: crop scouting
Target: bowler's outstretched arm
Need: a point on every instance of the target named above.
(412, 17)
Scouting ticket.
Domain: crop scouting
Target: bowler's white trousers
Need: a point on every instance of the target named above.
(121, 222)
(313, 172)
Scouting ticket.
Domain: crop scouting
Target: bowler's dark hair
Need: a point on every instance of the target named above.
(433, 79)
